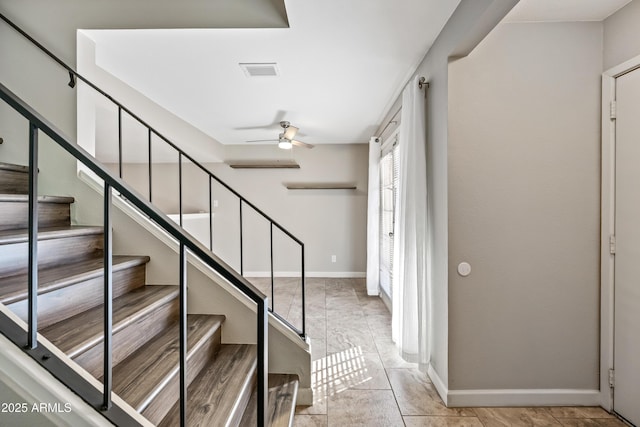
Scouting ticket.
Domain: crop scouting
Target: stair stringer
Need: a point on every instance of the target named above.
(25, 378)
(208, 293)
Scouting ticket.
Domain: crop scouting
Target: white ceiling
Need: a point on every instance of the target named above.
(342, 64)
(563, 10)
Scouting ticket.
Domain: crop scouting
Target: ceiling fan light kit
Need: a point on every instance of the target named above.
(285, 139)
(285, 144)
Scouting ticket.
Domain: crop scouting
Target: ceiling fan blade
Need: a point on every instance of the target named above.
(263, 140)
(280, 115)
(301, 144)
(290, 132)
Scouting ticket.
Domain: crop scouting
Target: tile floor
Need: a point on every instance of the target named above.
(359, 380)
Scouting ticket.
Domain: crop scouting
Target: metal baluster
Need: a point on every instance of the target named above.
(263, 361)
(108, 298)
(304, 330)
(33, 237)
(120, 141)
(273, 299)
(210, 216)
(180, 184)
(150, 168)
(241, 261)
(183, 336)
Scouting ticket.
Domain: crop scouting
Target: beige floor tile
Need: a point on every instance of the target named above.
(370, 375)
(417, 396)
(498, 417)
(579, 412)
(316, 327)
(389, 355)
(344, 338)
(310, 421)
(591, 422)
(433, 421)
(373, 379)
(373, 306)
(318, 348)
(368, 408)
(349, 369)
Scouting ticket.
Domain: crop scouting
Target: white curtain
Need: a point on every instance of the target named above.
(411, 290)
(373, 219)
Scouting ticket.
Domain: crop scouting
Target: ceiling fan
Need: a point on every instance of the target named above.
(285, 139)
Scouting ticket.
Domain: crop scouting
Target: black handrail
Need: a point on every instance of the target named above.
(39, 123)
(181, 154)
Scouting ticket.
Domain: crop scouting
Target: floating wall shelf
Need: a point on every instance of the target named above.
(263, 164)
(320, 186)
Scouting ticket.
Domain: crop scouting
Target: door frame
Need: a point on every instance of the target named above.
(607, 227)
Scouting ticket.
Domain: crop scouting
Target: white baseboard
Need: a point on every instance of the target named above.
(523, 397)
(512, 397)
(441, 388)
(329, 274)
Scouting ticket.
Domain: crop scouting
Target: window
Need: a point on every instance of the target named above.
(388, 194)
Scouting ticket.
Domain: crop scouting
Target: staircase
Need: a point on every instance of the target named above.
(221, 377)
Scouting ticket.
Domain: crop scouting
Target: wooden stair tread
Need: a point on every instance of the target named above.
(82, 331)
(22, 235)
(14, 288)
(139, 377)
(23, 198)
(215, 397)
(283, 390)
(14, 168)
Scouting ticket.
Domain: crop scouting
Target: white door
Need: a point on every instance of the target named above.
(626, 400)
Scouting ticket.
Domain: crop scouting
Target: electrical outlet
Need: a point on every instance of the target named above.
(333, 258)
(215, 203)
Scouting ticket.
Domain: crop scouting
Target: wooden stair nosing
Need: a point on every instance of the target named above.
(132, 375)
(13, 288)
(13, 167)
(220, 393)
(283, 391)
(48, 233)
(79, 333)
(24, 198)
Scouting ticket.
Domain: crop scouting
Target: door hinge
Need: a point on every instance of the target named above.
(612, 244)
(611, 378)
(612, 110)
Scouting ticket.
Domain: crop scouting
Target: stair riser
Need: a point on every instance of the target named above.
(169, 395)
(15, 215)
(71, 300)
(14, 257)
(128, 339)
(13, 182)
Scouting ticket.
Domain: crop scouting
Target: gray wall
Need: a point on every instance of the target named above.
(469, 24)
(524, 210)
(329, 222)
(621, 35)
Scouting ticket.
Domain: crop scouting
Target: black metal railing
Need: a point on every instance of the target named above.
(39, 124)
(182, 156)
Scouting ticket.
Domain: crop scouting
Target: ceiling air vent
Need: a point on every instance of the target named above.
(265, 69)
